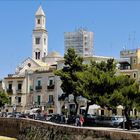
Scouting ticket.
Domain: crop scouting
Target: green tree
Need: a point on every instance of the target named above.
(98, 82)
(73, 64)
(102, 86)
(3, 99)
(127, 94)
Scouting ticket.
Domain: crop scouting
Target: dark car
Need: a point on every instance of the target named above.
(71, 119)
(40, 117)
(112, 121)
(89, 120)
(134, 124)
(57, 118)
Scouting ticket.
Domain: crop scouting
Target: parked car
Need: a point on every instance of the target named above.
(48, 117)
(90, 120)
(40, 116)
(135, 124)
(113, 121)
(117, 120)
(57, 118)
(10, 115)
(71, 119)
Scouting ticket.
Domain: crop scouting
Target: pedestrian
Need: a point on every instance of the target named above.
(81, 120)
(77, 121)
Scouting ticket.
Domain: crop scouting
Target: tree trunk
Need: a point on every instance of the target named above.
(77, 105)
(88, 104)
(128, 121)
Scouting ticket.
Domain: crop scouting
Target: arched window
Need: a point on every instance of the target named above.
(38, 21)
(38, 55)
(35, 55)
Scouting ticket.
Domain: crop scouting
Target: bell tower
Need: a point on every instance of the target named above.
(40, 36)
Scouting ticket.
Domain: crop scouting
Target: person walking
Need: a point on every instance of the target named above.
(81, 120)
(77, 120)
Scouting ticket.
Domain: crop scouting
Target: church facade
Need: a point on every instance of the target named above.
(33, 84)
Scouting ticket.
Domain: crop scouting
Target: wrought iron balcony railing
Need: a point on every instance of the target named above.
(50, 87)
(38, 88)
(9, 91)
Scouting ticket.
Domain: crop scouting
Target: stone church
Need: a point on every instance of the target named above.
(33, 84)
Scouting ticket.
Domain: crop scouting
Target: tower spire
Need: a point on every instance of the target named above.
(40, 12)
(40, 36)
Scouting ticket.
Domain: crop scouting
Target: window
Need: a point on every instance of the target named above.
(10, 100)
(51, 81)
(39, 82)
(44, 41)
(29, 64)
(38, 99)
(19, 99)
(134, 61)
(50, 111)
(37, 40)
(37, 55)
(10, 86)
(50, 98)
(19, 86)
(44, 54)
(38, 21)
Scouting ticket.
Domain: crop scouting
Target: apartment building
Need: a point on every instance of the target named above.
(129, 64)
(81, 40)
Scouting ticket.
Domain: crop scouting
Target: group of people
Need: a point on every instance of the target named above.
(79, 120)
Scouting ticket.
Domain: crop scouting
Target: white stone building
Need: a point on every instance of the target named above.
(33, 84)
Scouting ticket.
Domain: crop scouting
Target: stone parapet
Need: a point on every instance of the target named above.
(26, 129)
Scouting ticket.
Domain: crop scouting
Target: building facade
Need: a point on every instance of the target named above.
(129, 64)
(32, 85)
(81, 41)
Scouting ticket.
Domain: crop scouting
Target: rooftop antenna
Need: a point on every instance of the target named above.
(129, 40)
(133, 41)
(124, 47)
(111, 48)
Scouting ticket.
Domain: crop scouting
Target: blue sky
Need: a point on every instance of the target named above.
(115, 24)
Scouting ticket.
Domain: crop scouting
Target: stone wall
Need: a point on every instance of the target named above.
(24, 129)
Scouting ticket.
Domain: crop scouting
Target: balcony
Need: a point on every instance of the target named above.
(19, 104)
(38, 88)
(50, 104)
(9, 91)
(50, 87)
(18, 91)
(31, 90)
